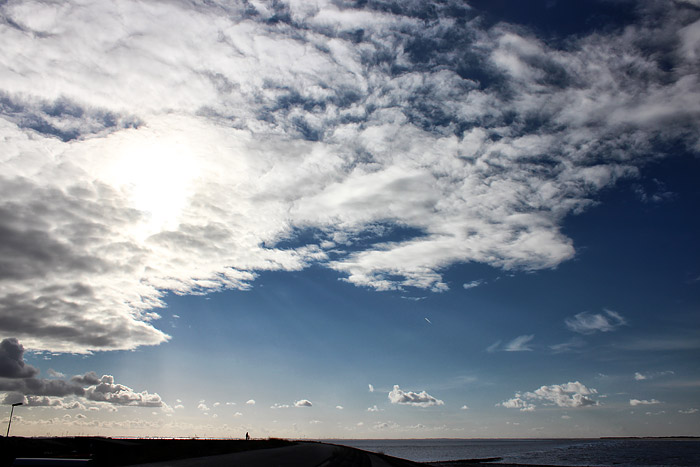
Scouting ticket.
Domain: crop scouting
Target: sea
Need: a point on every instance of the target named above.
(560, 452)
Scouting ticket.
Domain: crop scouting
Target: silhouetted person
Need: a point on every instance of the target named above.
(247, 437)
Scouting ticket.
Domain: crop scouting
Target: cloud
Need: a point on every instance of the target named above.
(568, 346)
(635, 402)
(565, 395)
(519, 344)
(472, 284)
(588, 323)
(517, 403)
(279, 406)
(19, 380)
(464, 407)
(688, 411)
(12, 360)
(644, 376)
(371, 388)
(571, 395)
(114, 195)
(55, 374)
(339, 407)
(421, 399)
(374, 408)
(109, 391)
(250, 402)
(303, 403)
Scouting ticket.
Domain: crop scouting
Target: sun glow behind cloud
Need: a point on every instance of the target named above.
(157, 172)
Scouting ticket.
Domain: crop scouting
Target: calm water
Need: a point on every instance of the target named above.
(570, 452)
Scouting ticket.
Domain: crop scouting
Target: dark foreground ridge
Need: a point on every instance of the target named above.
(113, 452)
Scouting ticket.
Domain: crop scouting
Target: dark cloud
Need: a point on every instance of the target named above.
(19, 380)
(12, 360)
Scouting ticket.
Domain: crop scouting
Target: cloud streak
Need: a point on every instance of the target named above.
(252, 124)
(588, 323)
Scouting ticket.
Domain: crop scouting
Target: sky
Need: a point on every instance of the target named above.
(335, 219)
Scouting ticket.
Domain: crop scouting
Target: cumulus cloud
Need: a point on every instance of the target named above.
(374, 408)
(203, 407)
(688, 411)
(588, 323)
(572, 394)
(250, 402)
(635, 402)
(279, 406)
(55, 374)
(12, 363)
(303, 403)
(249, 131)
(371, 388)
(416, 399)
(23, 385)
(517, 403)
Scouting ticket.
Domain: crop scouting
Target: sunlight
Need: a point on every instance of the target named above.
(157, 173)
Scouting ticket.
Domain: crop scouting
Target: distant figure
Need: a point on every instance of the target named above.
(247, 436)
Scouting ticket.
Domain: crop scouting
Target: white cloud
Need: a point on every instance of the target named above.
(303, 403)
(374, 408)
(588, 323)
(635, 402)
(565, 395)
(188, 183)
(55, 374)
(339, 407)
(688, 411)
(250, 402)
(519, 344)
(472, 284)
(572, 394)
(568, 346)
(464, 407)
(279, 406)
(371, 388)
(420, 399)
(657, 374)
(518, 403)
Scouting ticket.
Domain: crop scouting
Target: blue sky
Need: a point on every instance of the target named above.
(333, 220)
